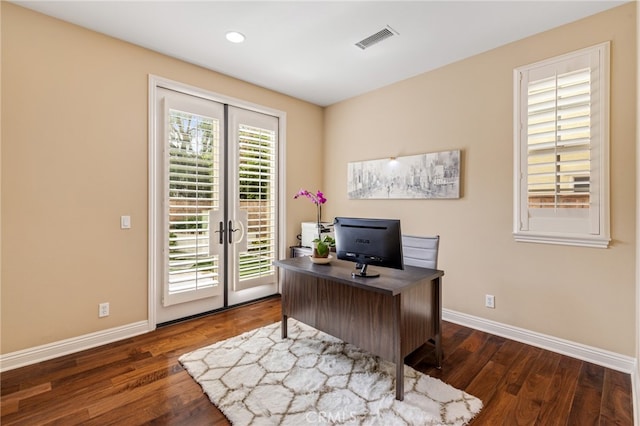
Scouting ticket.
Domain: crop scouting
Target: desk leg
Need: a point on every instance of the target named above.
(284, 326)
(400, 381)
(398, 348)
(438, 321)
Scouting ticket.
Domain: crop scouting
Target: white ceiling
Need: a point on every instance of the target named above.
(306, 49)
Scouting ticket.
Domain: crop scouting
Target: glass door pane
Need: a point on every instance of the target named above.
(253, 166)
(193, 156)
(190, 192)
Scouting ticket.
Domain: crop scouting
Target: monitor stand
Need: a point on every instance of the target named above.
(362, 272)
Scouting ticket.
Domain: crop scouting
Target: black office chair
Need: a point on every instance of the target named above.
(420, 251)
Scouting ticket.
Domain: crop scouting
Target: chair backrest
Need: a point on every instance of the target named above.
(420, 251)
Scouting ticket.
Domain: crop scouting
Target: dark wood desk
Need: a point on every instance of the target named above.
(389, 316)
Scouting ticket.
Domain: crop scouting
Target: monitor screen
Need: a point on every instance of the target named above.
(375, 242)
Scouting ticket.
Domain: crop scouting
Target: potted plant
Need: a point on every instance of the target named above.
(323, 243)
(323, 246)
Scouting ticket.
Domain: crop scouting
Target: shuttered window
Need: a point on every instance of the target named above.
(558, 141)
(193, 183)
(257, 192)
(561, 146)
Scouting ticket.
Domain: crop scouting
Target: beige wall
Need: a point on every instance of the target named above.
(74, 159)
(580, 294)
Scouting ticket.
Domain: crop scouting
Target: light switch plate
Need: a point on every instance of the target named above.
(125, 222)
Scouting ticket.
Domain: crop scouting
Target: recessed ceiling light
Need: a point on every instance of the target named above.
(235, 37)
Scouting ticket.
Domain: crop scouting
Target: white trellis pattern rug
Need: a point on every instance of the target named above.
(258, 378)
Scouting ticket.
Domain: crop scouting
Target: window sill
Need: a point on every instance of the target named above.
(566, 240)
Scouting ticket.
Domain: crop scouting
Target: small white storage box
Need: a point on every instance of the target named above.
(310, 232)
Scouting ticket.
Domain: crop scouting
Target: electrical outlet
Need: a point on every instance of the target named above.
(103, 310)
(489, 301)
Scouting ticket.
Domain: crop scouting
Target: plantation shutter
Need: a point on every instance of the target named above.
(559, 141)
(193, 177)
(256, 160)
(562, 149)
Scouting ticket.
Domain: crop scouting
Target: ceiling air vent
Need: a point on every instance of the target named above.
(376, 38)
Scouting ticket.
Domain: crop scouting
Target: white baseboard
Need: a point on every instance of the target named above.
(597, 356)
(76, 344)
(615, 361)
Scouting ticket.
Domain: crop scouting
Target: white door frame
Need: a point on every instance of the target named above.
(155, 81)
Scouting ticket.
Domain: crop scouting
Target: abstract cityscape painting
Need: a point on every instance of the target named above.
(431, 175)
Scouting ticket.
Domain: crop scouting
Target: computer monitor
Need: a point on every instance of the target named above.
(375, 242)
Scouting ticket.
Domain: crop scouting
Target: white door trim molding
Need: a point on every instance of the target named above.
(156, 81)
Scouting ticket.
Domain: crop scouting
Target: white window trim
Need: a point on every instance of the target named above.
(597, 240)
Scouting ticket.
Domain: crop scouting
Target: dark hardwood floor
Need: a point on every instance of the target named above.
(139, 380)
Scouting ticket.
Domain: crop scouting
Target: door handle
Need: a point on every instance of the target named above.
(239, 240)
(216, 243)
(231, 231)
(221, 232)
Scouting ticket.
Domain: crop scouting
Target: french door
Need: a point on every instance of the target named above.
(215, 217)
